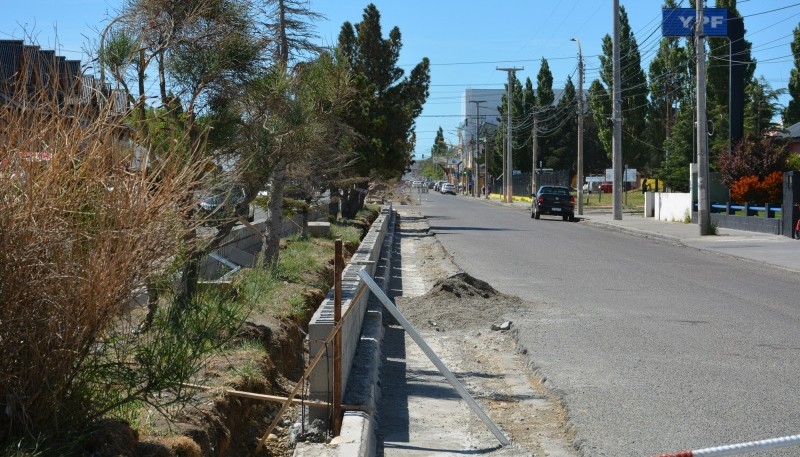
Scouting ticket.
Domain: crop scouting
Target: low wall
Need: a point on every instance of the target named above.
(746, 223)
(242, 245)
(367, 256)
(670, 207)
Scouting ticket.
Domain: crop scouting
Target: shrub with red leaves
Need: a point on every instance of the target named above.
(756, 190)
(753, 157)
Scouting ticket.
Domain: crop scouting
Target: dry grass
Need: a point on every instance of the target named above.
(82, 226)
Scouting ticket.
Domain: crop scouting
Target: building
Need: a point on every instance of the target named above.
(27, 72)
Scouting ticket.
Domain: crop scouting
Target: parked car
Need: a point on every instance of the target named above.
(447, 188)
(555, 201)
(226, 201)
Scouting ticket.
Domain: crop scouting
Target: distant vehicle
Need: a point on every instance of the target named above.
(416, 183)
(554, 201)
(607, 187)
(226, 201)
(438, 186)
(447, 188)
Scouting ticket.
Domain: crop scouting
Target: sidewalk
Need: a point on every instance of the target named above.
(776, 250)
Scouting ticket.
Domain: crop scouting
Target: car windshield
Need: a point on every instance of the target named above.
(554, 190)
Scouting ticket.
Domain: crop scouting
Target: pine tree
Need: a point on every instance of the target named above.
(634, 93)
(564, 134)
(718, 88)
(521, 157)
(669, 79)
(791, 115)
(439, 147)
(387, 103)
(545, 112)
(762, 106)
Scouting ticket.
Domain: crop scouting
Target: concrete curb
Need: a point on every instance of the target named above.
(629, 231)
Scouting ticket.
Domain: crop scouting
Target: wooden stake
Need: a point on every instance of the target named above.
(310, 368)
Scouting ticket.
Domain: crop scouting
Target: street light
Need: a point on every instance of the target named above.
(579, 179)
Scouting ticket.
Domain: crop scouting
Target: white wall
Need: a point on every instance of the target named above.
(670, 207)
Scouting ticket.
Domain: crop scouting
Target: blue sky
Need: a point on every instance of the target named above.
(465, 40)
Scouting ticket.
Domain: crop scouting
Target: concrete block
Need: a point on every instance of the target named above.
(319, 229)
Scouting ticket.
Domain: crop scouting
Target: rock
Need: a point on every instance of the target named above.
(504, 326)
(272, 437)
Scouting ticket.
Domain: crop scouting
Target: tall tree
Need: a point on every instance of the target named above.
(761, 108)
(600, 111)
(718, 87)
(522, 124)
(669, 80)
(439, 147)
(387, 103)
(288, 24)
(634, 93)
(564, 132)
(679, 150)
(544, 112)
(791, 115)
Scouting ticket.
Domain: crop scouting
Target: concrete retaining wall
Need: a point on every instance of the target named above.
(242, 244)
(367, 256)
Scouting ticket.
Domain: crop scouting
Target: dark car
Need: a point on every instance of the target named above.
(555, 201)
(226, 201)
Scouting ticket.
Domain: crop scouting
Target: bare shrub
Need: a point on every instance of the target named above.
(86, 216)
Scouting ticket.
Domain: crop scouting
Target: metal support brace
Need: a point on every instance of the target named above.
(387, 303)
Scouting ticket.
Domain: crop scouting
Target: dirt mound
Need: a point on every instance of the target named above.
(461, 285)
(459, 302)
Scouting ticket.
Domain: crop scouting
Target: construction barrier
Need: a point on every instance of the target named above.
(741, 448)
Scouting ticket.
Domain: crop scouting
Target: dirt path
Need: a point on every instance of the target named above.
(421, 414)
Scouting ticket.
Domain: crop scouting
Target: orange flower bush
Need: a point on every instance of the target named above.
(754, 190)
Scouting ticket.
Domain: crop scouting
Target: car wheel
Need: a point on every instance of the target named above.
(536, 215)
(533, 214)
(565, 217)
(572, 218)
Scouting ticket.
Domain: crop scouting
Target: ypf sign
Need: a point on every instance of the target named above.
(680, 21)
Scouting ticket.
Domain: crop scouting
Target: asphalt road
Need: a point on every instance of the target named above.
(653, 347)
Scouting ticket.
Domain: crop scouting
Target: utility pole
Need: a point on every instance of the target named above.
(509, 167)
(503, 174)
(477, 103)
(703, 219)
(535, 141)
(486, 169)
(616, 139)
(579, 179)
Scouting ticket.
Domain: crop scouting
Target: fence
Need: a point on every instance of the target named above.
(521, 183)
(724, 216)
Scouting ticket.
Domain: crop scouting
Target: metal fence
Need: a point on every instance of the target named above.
(521, 183)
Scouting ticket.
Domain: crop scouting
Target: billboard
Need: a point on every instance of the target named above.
(679, 22)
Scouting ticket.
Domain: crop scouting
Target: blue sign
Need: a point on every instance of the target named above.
(680, 21)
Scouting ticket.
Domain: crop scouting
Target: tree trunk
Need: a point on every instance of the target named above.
(333, 203)
(162, 81)
(304, 228)
(352, 202)
(275, 215)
